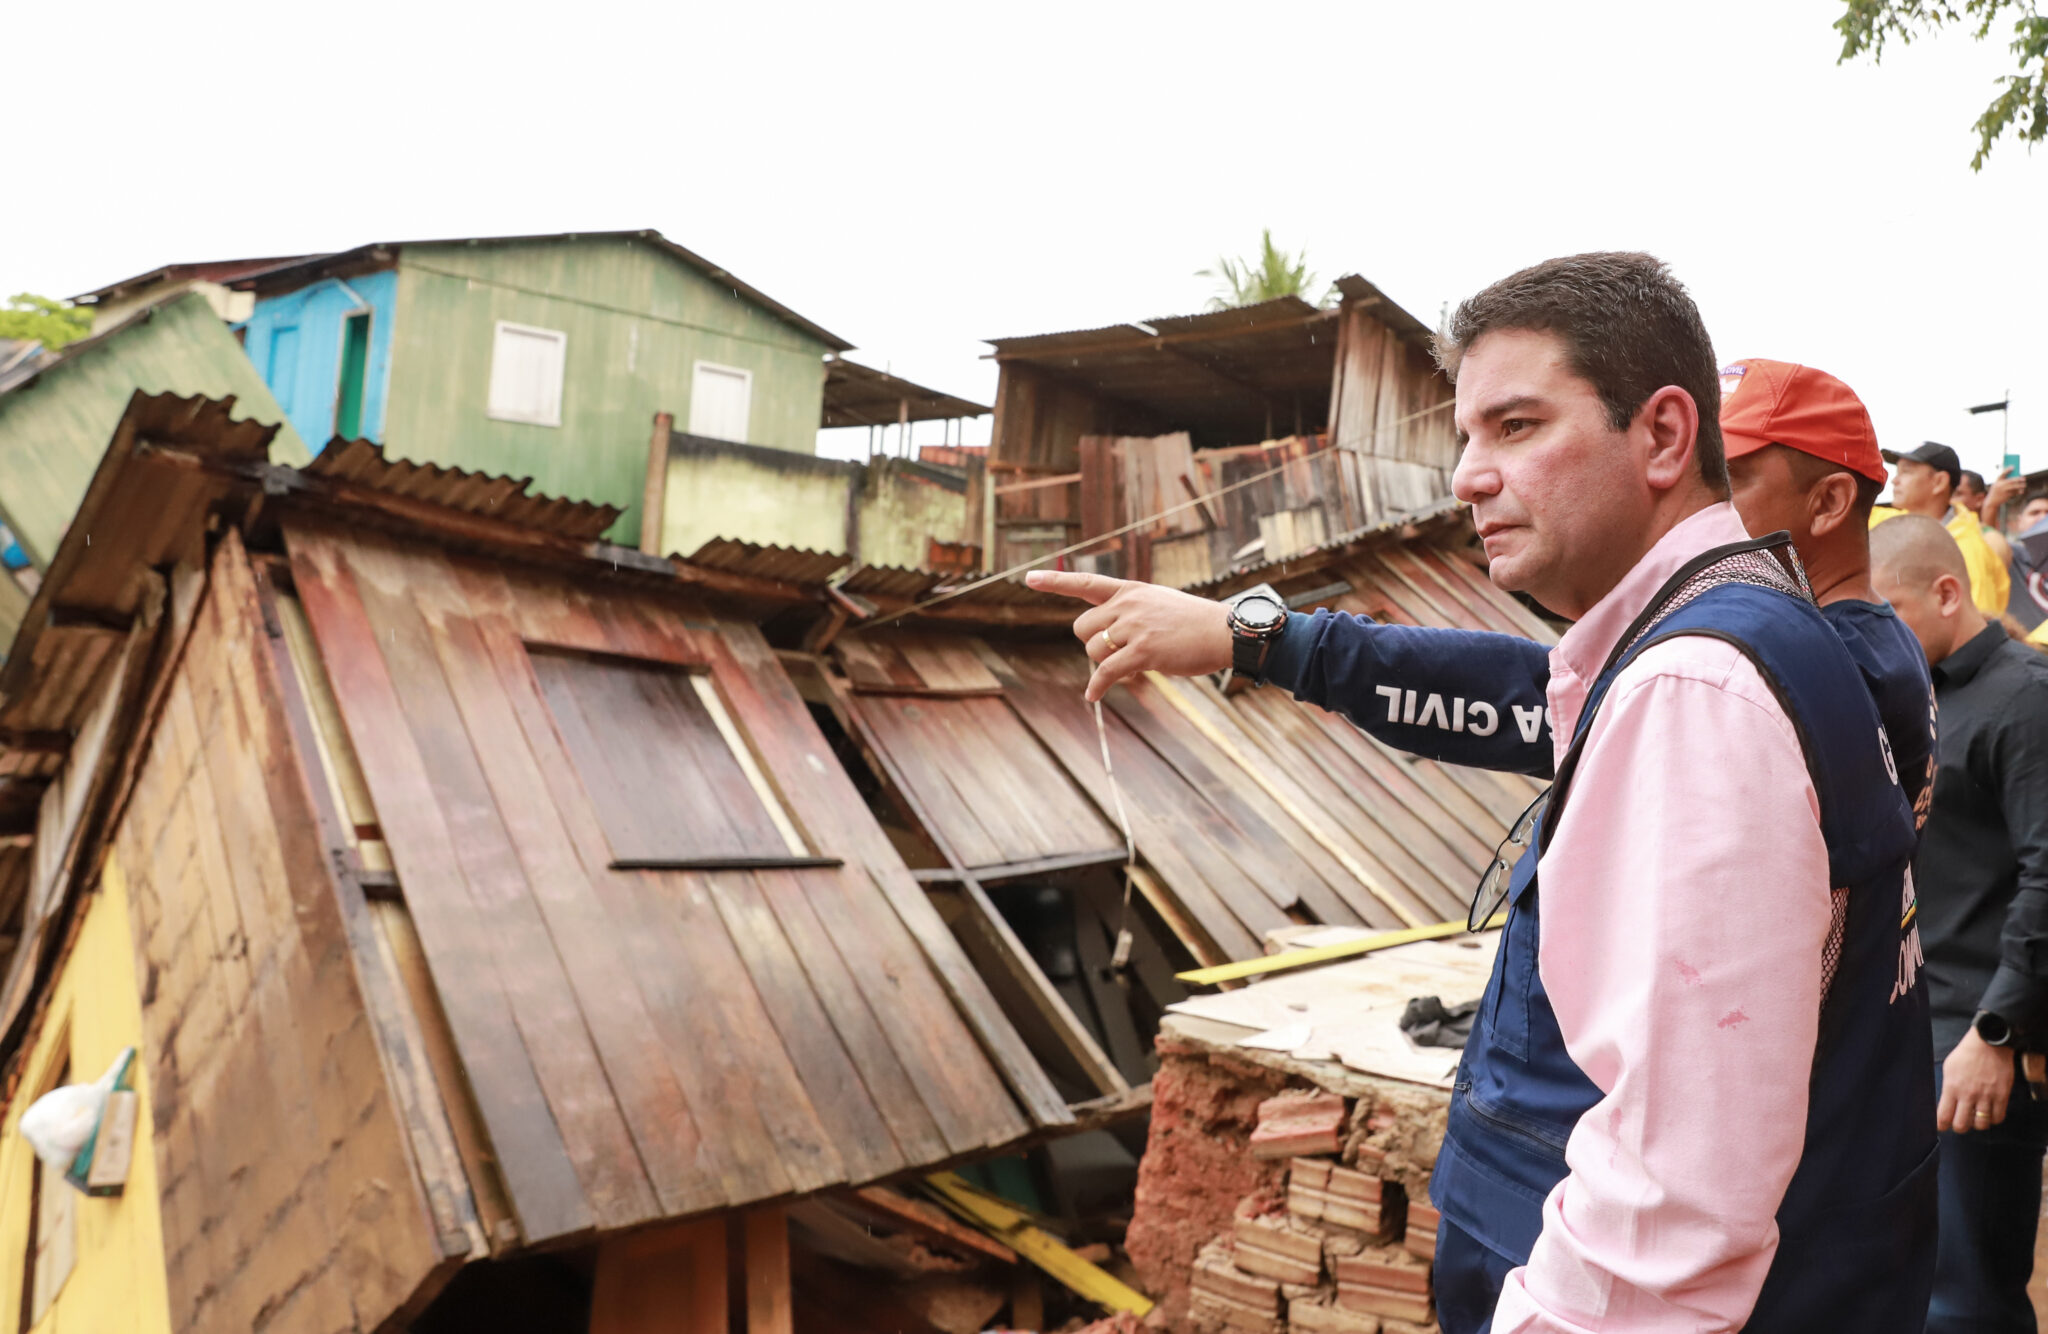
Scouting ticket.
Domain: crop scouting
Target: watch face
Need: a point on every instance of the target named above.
(1260, 613)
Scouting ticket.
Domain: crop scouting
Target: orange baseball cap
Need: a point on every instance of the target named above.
(1778, 403)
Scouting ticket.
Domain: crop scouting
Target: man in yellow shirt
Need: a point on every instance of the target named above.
(1925, 482)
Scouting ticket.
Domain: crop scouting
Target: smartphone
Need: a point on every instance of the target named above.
(2012, 465)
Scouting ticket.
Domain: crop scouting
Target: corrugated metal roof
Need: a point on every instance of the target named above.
(1249, 572)
(212, 270)
(1012, 592)
(1227, 376)
(133, 517)
(286, 277)
(363, 463)
(1280, 311)
(857, 395)
(55, 423)
(1383, 307)
(890, 581)
(792, 565)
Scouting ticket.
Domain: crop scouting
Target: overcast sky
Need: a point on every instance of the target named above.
(919, 177)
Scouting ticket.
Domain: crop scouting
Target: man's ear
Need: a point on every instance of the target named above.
(1672, 421)
(1830, 503)
(1949, 594)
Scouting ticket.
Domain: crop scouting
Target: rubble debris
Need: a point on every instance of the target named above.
(1226, 1295)
(1015, 1229)
(1330, 1242)
(1197, 1166)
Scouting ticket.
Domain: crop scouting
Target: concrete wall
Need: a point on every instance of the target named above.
(771, 497)
(902, 506)
(637, 320)
(117, 1285)
(755, 495)
(295, 342)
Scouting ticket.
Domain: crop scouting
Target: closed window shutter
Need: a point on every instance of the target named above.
(670, 777)
(526, 374)
(721, 398)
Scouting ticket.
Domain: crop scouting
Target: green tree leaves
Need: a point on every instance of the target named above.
(2022, 102)
(1273, 273)
(38, 319)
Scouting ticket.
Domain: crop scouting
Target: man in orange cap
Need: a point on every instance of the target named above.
(1803, 457)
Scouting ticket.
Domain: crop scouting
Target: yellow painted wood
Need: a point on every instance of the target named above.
(117, 1284)
(1013, 1227)
(1349, 949)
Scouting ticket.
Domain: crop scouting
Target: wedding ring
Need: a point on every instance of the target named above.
(1111, 643)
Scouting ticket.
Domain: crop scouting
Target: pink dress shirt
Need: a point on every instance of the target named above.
(1685, 907)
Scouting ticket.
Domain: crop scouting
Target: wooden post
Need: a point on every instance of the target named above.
(767, 1259)
(668, 1280)
(654, 494)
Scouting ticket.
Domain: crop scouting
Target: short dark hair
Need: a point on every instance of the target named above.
(1629, 327)
(1973, 478)
(1808, 472)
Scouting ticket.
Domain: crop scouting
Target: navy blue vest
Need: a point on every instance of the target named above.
(1856, 1249)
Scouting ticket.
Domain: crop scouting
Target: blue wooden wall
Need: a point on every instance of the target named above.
(295, 341)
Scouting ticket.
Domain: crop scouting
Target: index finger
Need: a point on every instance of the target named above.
(1093, 588)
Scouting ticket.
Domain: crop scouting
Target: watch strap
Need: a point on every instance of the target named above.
(1248, 653)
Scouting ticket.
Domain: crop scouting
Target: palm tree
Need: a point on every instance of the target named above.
(1275, 273)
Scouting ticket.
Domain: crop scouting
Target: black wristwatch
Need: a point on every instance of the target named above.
(1993, 1029)
(1256, 620)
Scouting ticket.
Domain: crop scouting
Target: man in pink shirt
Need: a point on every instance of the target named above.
(1694, 1098)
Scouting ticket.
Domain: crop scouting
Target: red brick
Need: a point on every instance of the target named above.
(1276, 1251)
(1211, 1311)
(1384, 1269)
(1384, 1301)
(1299, 1123)
(1217, 1276)
(1317, 1318)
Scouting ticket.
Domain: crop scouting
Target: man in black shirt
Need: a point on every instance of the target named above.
(1982, 880)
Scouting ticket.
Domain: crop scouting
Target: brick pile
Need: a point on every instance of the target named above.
(1333, 1235)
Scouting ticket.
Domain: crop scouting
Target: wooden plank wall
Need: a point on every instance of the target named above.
(289, 1199)
(647, 1044)
(1039, 423)
(1382, 381)
(1125, 479)
(1251, 812)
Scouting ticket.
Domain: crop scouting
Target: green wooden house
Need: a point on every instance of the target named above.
(55, 422)
(536, 356)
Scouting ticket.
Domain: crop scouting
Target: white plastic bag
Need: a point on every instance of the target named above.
(59, 1124)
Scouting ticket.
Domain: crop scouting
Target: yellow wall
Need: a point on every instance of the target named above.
(747, 494)
(779, 499)
(117, 1285)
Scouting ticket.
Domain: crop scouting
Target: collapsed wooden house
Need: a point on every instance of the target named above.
(474, 888)
(1178, 448)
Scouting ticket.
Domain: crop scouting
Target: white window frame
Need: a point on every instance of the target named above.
(744, 374)
(561, 341)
